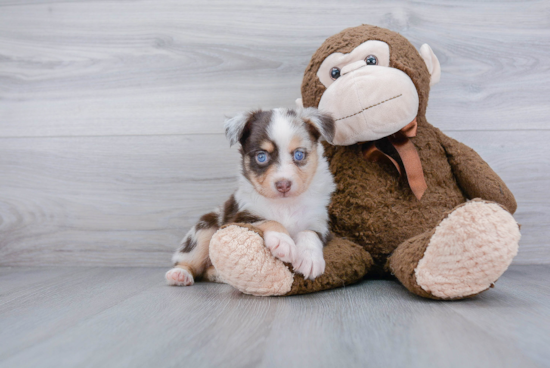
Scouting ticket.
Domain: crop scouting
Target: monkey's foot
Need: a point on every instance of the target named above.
(241, 259)
(463, 256)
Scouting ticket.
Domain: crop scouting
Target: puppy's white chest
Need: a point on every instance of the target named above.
(294, 218)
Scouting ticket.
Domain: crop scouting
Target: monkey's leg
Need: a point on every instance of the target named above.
(463, 256)
(346, 264)
(239, 255)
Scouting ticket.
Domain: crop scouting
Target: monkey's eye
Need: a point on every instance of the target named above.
(299, 155)
(335, 73)
(371, 60)
(262, 157)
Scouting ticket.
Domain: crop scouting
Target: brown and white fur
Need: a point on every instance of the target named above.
(286, 195)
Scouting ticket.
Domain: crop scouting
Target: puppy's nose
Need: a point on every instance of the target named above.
(283, 186)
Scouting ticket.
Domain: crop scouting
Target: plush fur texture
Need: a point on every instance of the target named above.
(403, 56)
(374, 207)
(241, 259)
(468, 251)
(239, 254)
(463, 256)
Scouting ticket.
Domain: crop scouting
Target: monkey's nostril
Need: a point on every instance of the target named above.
(283, 186)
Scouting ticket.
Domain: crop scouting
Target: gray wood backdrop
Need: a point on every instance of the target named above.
(111, 112)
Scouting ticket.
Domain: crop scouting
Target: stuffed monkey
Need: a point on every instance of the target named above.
(410, 201)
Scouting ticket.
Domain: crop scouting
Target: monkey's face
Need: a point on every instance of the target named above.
(367, 87)
(367, 99)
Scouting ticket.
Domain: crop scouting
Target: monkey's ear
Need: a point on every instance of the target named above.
(235, 127)
(324, 123)
(431, 62)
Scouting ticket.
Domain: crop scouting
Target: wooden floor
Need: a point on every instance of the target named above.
(127, 317)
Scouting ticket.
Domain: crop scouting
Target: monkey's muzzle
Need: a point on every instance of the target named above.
(369, 103)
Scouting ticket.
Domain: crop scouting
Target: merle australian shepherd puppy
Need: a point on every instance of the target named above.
(284, 189)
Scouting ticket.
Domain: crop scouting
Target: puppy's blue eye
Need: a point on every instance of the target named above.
(261, 157)
(299, 155)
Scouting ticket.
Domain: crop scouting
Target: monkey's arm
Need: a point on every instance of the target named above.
(474, 176)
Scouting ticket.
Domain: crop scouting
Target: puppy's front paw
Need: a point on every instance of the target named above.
(281, 245)
(179, 277)
(309, 259)
(310, 263)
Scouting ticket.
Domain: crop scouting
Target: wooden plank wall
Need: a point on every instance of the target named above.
(111, 112)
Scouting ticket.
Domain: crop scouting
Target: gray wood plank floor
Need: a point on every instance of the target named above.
(127, 317)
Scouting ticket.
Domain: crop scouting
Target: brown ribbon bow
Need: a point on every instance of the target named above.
(408, 154)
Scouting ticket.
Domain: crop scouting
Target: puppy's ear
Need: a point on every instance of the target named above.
(324, 123)
(235, 127)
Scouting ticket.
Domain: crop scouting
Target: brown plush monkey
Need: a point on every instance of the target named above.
(410, 201)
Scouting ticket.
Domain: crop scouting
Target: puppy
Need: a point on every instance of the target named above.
(284, 189)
